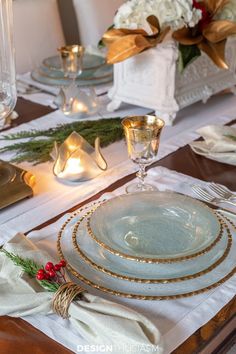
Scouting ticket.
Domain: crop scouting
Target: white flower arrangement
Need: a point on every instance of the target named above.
(173, 13)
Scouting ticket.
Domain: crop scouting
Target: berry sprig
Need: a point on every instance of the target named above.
(50, 277)
(51, 272)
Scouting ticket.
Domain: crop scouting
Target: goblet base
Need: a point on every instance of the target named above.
(138, 187)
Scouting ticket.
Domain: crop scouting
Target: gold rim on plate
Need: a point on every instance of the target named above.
(77, 78)
(144, 280)
(128, 295)
(53, 68)
(156, 260)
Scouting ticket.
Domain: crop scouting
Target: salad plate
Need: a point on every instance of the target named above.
(90, 62)
(93, 278)
(104, 261)
(97, 78)
(98, 74)
(154, 227)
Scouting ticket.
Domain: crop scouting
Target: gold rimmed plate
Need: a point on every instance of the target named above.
(155, 227)
(104, 261)
(90, 62)
(118, 287)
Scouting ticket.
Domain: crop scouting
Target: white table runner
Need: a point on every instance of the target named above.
(52, 197)
(176, 319)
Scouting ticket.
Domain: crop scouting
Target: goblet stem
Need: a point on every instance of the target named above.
(141, 174)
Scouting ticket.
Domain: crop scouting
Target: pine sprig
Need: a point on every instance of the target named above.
(31, 268)
(231, 137)
(37, 149)
(27, 265)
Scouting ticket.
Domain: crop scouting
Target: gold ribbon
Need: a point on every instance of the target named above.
(212, 39)
(124, 43)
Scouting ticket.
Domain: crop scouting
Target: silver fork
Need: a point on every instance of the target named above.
(203, 194)
(222, 191)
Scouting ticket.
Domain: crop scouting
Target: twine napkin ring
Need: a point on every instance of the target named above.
(63, 298)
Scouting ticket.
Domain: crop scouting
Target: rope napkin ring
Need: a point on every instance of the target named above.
(63, 298)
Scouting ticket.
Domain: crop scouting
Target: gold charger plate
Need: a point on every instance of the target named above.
(15, 184)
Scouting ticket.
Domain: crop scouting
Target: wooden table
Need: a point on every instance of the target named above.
(19, 337)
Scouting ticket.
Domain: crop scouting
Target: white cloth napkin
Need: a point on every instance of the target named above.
(217, 144)
(98, 321)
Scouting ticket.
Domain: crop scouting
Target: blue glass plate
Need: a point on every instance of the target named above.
(90, 62)
(154, 227)
(126, 269)
(100, 76)
(90, 277)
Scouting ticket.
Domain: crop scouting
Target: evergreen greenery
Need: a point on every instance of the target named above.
(232, 137)
(37, 149)
(31, 268)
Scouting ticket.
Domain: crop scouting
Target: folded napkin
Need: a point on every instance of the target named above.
(97, 320)
(219, 143)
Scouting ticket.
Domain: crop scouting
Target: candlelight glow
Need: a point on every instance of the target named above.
(80, 107)
(73, 167)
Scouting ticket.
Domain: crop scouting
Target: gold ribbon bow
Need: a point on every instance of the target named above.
(124, 43)
(212, 38)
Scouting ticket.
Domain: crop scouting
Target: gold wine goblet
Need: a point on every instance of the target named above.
(143, 138)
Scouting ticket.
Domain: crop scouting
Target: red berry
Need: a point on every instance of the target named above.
(52, 273)
(40, 271)
(40, 276)
(49, 266)
(62, 263)
(47, 275)
(57, 267)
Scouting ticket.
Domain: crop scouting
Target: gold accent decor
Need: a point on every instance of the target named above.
(124, 43)
(71, 59)
(63, 298)
(212, 38)
(142, 280)
(128, 295)
(157, 260)
(15, 184)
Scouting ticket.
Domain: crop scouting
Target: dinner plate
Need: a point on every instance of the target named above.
(100, 76)
(104, 261)
(119, 287)
(154, 227)
(90, 62)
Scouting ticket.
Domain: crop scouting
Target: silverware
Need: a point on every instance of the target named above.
(203, 194)
(222, 191)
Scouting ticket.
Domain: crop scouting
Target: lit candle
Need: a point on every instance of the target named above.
(72, 169)
(79, 107)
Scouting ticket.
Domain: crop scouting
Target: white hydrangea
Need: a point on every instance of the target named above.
(174, 13)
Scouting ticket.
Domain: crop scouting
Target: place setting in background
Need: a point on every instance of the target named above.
(94, 69)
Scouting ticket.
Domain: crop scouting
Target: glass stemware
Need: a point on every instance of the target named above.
(74, 101)
(72, 60)
(143, 137)
(8, 95)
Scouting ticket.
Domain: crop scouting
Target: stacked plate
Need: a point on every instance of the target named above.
(151, 245)
(95, 72)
